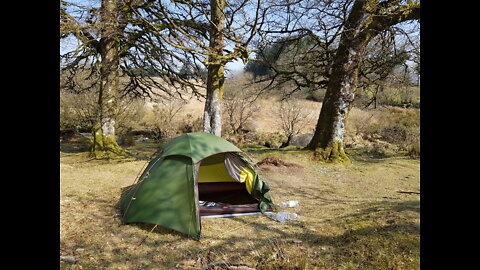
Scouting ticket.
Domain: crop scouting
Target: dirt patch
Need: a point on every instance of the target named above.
(271, 162)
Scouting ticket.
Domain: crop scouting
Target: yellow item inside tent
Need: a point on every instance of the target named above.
(247, 176)
(212, 169)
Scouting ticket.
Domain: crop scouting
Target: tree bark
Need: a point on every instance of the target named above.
(104, 142)
(330, 129)
(360, 27)
(212, 118)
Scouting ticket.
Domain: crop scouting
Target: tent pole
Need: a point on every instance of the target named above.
(147, 234)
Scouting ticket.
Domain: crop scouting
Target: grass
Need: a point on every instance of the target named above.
(352, 217)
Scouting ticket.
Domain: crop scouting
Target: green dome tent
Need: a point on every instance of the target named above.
(195, 175)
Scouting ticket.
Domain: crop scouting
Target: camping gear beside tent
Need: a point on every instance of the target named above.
(193, 168)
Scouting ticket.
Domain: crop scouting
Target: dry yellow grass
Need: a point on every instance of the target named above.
(352, 217)
(266, 118)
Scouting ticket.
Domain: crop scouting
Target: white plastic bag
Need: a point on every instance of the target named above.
(283, 217)
(288, 204)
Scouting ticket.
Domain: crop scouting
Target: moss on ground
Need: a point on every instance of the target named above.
(333, 153)
(104, 147)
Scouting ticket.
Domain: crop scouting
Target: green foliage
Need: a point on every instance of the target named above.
(263, 59)
(145, 71)
(189, 71)
(271, 54)
(272, 140)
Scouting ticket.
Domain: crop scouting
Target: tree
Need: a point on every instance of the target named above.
(98, 33)
(292, 118)
(322, 45)
(387, 58)
(103, 134)
(115, 42)
(298, 42)
(206, 33)
(264, 58)
(212, 119)
(366, 19)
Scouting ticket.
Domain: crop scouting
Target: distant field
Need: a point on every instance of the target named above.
(352, 217)
(266, 118)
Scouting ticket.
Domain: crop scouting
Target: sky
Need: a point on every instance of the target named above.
(70, 43)
(235, 66)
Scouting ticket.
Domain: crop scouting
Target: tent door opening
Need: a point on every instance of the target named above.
(225, 198)
(219, 193)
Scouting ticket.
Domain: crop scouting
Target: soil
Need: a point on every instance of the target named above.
(275, 162)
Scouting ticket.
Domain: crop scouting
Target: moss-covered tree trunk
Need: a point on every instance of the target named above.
(366, 19)
(104, 144)
(212, 117)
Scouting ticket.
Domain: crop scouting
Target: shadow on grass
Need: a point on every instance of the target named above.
(273, 150)
(371, 239)
(139, 151)
(363, 239)
(72, 148)
(362, 155)
(156, 229)
(143, 150)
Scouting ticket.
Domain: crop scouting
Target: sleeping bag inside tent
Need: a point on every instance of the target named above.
(196, 175)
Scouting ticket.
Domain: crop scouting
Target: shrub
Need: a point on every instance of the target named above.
(162, 121)
(272, 140)
(414, 149)
(292, 118)
(402, 128)
(396, 126)
(239, 103)
(191, 124)
(126, 138)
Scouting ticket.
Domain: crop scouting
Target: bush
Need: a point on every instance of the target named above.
(162, 119)
(191, 124)
(396, 126)
(414, 150)
(402, 128)
(272, 140)
(67, 134)
(239, 104)
(126, 138)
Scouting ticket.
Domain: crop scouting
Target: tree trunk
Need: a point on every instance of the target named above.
(212, 118)
(327, 140)
(104, 144)
(362, 24)
(287, 142)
